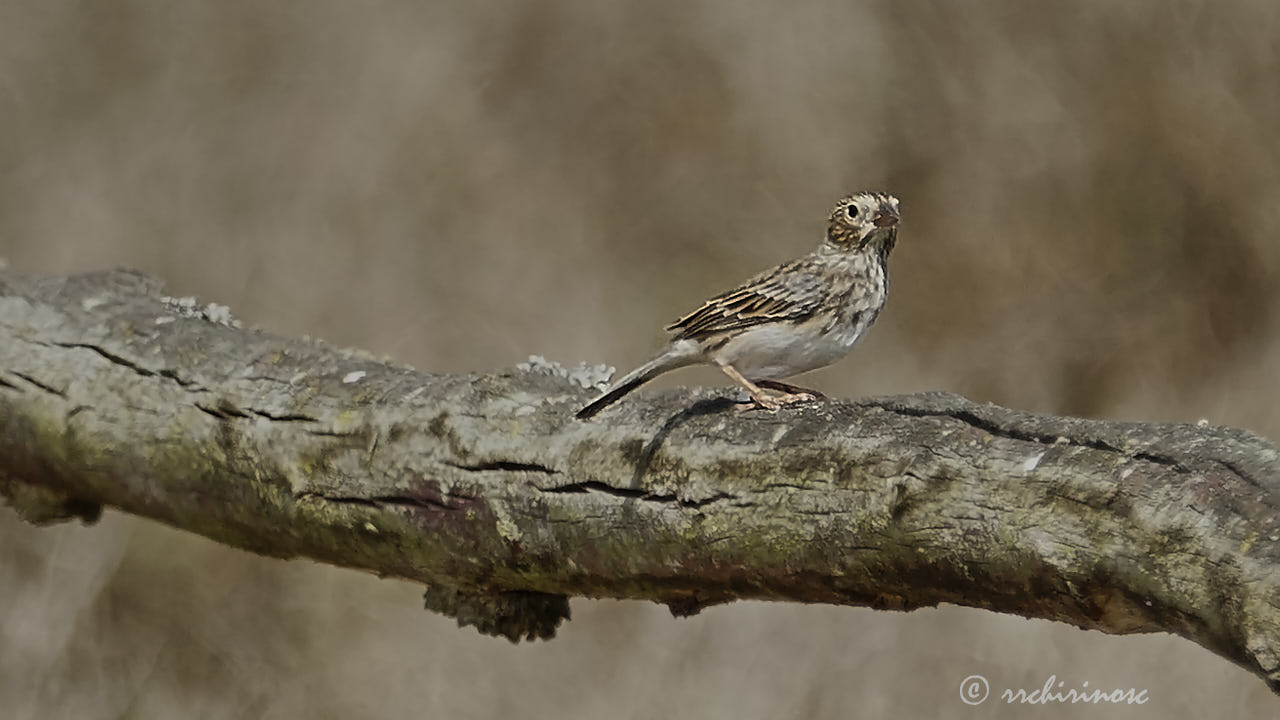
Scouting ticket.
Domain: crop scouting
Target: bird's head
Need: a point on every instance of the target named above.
(863, 219)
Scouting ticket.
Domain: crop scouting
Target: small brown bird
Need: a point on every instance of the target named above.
(797, 317)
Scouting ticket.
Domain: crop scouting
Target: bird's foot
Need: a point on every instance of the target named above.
(790, 389)
(772, 399)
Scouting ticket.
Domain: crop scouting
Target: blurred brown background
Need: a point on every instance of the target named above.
(1091, 202)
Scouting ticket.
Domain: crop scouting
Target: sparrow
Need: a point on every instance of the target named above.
(796, 317)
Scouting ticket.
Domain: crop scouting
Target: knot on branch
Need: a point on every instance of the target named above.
(44, 505)
(516, 616)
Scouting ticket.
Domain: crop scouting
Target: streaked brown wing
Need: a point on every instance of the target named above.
(790, 292)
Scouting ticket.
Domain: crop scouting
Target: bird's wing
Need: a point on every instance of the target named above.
(789, 292)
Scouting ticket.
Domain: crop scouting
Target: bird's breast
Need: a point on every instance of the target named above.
(777, 350)
(780, 350)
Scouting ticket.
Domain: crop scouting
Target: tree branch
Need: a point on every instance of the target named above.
(485, 488)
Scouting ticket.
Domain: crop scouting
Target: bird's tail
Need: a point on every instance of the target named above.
(676, 355)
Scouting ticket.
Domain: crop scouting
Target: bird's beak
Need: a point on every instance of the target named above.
(886, 216)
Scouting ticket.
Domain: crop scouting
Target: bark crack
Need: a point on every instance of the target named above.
(503, 466)
(284, 417)
(997, 429)
(595, 486)
(223, 410)
(43, 386)
(1240, 472)
(126, 363)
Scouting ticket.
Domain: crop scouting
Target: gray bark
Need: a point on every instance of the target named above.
(484, 487)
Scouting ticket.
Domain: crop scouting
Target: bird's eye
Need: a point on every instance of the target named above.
(852, 212)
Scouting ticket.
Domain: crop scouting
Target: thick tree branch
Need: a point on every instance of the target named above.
(485, 488)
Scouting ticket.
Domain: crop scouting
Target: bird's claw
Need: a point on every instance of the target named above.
(774, 400)
(789, 389)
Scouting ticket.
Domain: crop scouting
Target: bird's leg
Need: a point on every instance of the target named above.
(791, 389)
(769, 400)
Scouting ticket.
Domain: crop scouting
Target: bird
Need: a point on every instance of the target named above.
(793, 318)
